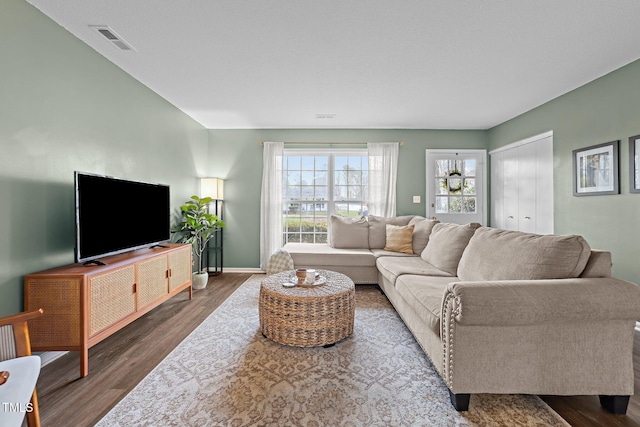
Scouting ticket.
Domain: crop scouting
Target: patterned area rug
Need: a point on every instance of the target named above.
(227, 374)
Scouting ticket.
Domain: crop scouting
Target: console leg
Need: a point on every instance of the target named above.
(84, 362)
(615, 404)
(460, 401)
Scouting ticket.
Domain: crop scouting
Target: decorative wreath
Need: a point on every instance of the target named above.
(454, 185)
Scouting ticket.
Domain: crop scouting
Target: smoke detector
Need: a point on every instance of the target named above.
(112, 37)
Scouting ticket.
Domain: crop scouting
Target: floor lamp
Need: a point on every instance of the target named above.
(214, 188)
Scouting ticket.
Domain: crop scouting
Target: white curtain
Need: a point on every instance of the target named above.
(271, 201)
(383, 171)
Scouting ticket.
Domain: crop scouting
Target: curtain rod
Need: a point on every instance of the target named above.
(324, 143)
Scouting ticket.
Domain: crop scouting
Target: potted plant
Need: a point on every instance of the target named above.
(197, 227)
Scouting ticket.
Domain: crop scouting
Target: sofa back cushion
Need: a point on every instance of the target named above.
(599, 264)
(421, 232)
(378, 229)
(446, 245)
(495, 254)
(349, 233)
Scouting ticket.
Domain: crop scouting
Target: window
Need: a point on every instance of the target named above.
(317, 184)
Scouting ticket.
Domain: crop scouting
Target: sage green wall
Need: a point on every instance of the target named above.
(64, 107)
(604, 110)
(236, 156)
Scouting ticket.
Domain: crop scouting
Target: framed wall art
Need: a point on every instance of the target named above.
(634, 164)
(595, 170)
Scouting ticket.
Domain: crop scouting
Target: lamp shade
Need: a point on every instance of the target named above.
(212, 187)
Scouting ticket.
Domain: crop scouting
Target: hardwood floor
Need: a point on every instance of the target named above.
(119, 362)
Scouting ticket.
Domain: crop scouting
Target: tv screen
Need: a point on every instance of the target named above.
(117, 215)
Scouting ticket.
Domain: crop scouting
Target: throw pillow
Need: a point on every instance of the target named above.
(399, 238)
(378, 231)
(280, 261)
(446, 245)
(421, 232)
(349, 233)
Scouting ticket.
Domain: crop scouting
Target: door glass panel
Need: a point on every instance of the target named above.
(454, 183)
(469, 205)
(469, 167)
(469, 186)
(455, 204)
(442, 204)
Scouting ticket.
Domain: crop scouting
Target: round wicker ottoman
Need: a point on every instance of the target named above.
(307, 316)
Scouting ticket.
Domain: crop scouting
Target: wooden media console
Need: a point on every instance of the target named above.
(84, 304)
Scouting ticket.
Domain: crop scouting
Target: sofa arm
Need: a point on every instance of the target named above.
(529, 302)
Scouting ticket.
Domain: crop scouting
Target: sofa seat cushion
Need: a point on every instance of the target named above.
(391, 267)
(495, 254)
(424, 295)
(381, 252)
(311, 254)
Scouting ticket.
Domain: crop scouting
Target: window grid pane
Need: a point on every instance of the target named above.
(454, 179)
(309, 198)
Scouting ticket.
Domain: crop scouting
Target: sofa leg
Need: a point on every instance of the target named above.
(615, 404)
(460, 401)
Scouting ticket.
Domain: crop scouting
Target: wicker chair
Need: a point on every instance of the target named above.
(14, 342)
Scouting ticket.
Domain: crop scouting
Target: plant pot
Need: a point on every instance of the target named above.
(199, 280)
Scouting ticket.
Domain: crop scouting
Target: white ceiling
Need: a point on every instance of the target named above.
(415, 64)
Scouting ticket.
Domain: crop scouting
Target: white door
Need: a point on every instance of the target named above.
(456, 185)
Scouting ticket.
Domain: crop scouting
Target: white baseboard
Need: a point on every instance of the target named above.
(244, 270)
(49, 356)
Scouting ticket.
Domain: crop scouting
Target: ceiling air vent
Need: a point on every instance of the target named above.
(110, 35)
(325, 116)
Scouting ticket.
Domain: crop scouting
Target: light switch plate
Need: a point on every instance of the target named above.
(416, 199)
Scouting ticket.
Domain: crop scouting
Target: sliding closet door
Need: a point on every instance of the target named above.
(511, 190)
(527, 188)
(522, 186)
(544, 186)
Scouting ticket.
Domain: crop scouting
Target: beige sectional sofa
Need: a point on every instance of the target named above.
(496, 311)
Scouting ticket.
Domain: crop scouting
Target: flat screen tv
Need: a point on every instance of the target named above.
(117, 215)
